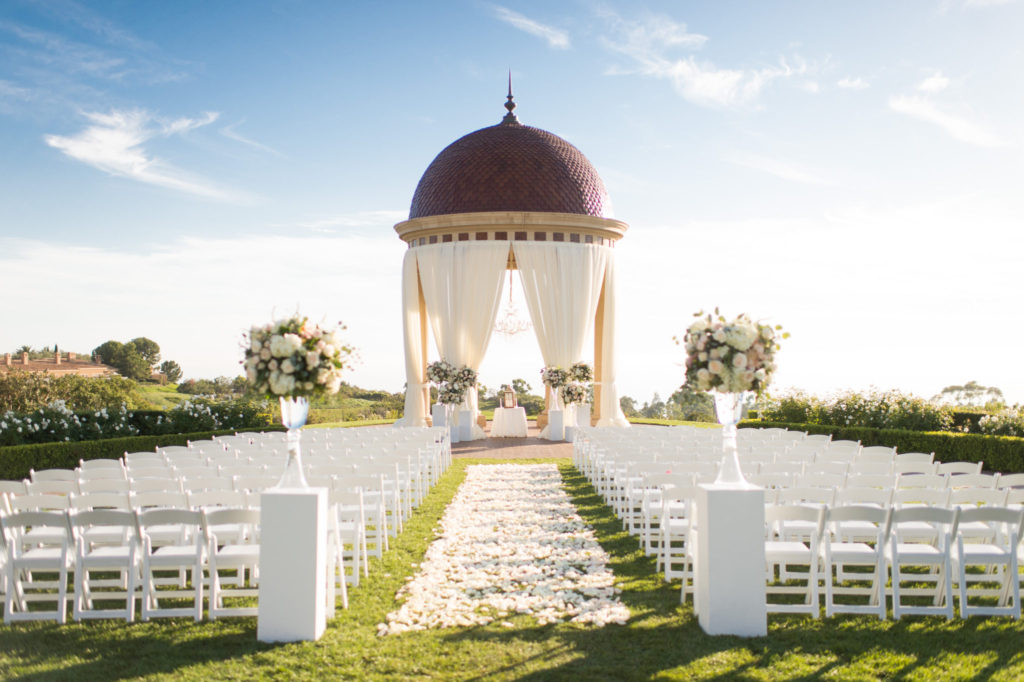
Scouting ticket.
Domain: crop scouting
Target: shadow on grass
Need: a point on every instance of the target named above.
(663, 640)
(143, 648)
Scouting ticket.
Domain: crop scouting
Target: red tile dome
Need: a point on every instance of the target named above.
(510, 167)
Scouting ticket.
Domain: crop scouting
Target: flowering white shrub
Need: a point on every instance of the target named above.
(510, 542)
(294, 357)
(730, 356)
(1009, 422)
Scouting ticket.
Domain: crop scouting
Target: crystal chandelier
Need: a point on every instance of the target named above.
(510, 322)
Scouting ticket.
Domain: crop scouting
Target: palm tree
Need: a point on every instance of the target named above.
(24, 349)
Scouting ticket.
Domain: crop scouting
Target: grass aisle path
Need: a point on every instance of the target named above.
(661, 640)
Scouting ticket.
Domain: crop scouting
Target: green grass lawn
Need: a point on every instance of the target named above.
(163, 397)
(661, 641)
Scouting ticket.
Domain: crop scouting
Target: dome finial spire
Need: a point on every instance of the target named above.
(510, 105)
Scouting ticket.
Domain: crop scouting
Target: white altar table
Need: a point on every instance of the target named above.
(509, 422)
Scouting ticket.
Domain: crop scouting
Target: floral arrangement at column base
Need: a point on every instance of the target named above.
(293, 360)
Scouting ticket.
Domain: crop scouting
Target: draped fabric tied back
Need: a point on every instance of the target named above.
(462, 285)
(562, 283)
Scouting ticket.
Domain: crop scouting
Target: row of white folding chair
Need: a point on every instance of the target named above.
(137, 545)
(880, 538)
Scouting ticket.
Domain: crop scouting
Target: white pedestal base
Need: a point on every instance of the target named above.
(556, 425)
(293, 565)
(438, 415)
(729, 569)
(466, 425)
(583, 414)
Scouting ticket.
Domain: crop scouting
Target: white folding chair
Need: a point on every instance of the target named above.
(186, 554)
(906, 550)
(238, 552)
(996, 555)
(841, 551)
(954, 468)
(105, 557)
(29, 566)
(785, 554)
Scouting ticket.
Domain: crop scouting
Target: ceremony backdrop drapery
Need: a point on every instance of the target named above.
(416, 380)
(562, 283)
(462, 286)
(611, 410)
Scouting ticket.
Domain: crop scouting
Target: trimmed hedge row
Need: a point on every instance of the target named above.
(17, 460)
(999, 453)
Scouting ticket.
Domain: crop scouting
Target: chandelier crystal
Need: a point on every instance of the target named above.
(510, 322)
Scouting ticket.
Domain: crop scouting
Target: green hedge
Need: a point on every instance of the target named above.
(998, 453)
(17, 460)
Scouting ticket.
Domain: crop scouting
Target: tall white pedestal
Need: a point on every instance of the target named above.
(293, 565)
(437, 414)
(583, 414)
(729, 568)
(556, 425)
(466, 425)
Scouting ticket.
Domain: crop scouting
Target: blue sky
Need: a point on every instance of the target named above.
(852, 171)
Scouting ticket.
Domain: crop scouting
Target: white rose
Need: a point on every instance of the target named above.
(287, 367)
(719, 335)
(760, 375)
(312, 359)
(716, 367)
(250, 373)
(703, 357)
(272, 365)
(265, 354)
(294, 342)
(279, 348)
(739, 361)
(256, 346)
(329, 350)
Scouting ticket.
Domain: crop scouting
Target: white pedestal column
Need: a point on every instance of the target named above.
(437, 414)
(293, 565)
(556, 425)
(729, 570)
(583, 414)
(466, 425)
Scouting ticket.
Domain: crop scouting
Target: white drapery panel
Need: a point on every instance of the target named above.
(415, 378)
(462, 285)
(562, 283)
(611, 411)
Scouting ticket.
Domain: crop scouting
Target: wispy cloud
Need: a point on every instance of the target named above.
(934, 83)
(229, 132)
(331, 224)
(115, 143)
(780, 168)
(555, 37)
(649, 44)
(848, 83)
(958, 127)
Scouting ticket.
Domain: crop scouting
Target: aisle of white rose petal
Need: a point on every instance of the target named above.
(510, 542)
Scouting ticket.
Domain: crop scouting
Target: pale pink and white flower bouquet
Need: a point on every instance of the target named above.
(730, 356)
(294, 358)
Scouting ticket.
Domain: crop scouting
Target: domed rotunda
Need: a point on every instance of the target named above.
(510, 196)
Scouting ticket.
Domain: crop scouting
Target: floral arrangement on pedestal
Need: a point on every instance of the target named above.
(573, 394)
(440, 372)
(581, 373)
(554, 377)
(730, 358)
(293, 359)
(453, 384)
